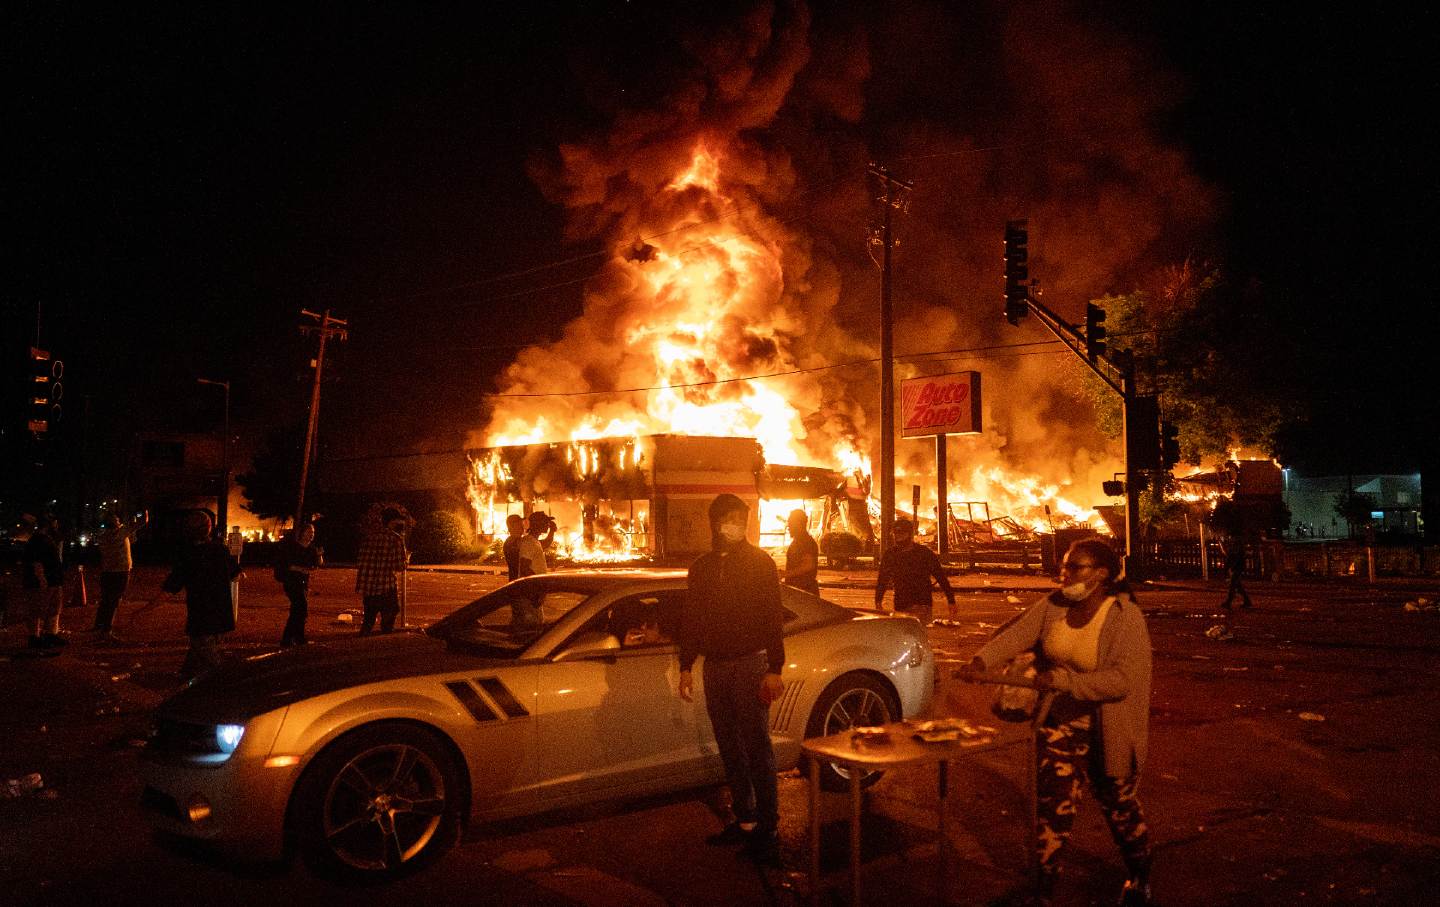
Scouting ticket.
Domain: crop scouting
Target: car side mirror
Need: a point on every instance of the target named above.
(595, 644)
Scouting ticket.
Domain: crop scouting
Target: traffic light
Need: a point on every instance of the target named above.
(1142, 430)
(1094, 331)
(46, 391)
(1169, 444)
(1016, 271)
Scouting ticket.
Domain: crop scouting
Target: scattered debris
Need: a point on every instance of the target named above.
(1169, 777)
(1219, 633)
(1234, 669)
(1013, 599)
(1311, 716)
(119, 677)
(1421, 604)
(344, 617)
(27, 784)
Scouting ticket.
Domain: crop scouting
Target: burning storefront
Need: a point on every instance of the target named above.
(623, 499)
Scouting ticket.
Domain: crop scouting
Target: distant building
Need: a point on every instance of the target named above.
(1395, 501)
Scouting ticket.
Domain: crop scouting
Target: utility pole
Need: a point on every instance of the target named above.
(222, 506)
(326, 326)
(891, 200)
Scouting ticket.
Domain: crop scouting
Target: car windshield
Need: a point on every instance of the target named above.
(509, 619)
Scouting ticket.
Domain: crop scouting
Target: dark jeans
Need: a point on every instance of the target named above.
(387, 605)
(297, 587)
(1236, 588)
(112, 590)
(742, 730)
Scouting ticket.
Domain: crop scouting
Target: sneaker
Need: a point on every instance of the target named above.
(732, 835)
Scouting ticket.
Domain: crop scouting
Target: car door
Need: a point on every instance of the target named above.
(614, 723)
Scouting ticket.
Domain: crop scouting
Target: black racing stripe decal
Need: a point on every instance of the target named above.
(471, 700)
(502, 697)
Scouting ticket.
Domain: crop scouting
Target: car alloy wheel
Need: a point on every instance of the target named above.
(381, 801)
(854, 700)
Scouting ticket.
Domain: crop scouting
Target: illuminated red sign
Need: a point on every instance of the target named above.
(940, 404)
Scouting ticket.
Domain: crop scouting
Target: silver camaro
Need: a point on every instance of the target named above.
(371, 754)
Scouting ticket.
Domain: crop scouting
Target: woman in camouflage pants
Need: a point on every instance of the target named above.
(1091, 647)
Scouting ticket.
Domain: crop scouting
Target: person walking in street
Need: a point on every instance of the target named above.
(235, 543)
(115, 565)
(203, 571)
(515, 529)
(1234, 548)
(43, 579)
(732, 616)
(802, 558)
(909, 566)
(1092, 648)
(296, 557)
(382, 556)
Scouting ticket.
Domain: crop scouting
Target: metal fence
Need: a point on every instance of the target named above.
(1276, 559)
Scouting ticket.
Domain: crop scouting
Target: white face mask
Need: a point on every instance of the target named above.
(1076, 592)
(732, 532)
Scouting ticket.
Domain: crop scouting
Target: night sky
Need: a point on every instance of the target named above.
(188, 179)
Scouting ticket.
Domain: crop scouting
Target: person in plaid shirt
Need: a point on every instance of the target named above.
(382, 556)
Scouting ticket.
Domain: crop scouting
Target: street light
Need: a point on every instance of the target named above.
(223, 509)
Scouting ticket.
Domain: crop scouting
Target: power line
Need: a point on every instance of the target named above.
(799, 371)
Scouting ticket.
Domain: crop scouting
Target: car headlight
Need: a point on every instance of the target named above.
(192, 742)
(227, 737)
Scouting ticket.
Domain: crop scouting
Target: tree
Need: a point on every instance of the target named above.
(441, 537)
(272, 483)
(1210, 351)
(1354, 508)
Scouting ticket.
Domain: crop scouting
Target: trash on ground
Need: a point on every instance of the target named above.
(1235, 669)
(1311, 716)
(120, 677)
(344, 617)
(1013, 599)
(1420, 604)
(1219, 632)
(25, 784)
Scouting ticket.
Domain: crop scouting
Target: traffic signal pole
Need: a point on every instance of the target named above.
(1116, 369)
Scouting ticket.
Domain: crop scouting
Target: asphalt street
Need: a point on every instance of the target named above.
(1292, 760)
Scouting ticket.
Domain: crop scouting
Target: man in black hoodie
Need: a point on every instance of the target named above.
(733, 618)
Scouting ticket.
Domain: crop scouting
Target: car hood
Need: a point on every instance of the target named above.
(239, 690)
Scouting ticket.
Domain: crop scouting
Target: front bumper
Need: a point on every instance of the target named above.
(237, 805)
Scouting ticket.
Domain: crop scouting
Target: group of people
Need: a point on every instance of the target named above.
(1089, 640)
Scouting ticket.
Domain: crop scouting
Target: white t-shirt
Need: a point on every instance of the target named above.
(1077, 648)
(532, 556)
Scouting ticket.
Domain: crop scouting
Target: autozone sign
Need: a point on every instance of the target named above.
(940, 405)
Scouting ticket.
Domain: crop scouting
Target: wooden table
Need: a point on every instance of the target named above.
(901, 748)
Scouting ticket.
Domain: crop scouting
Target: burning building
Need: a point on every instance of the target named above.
(619, 499)
(734, 297)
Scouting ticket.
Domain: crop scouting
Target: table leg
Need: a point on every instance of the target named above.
(854, 835)
(814, 831)
(943, 783)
